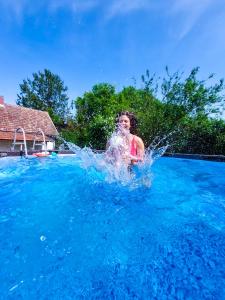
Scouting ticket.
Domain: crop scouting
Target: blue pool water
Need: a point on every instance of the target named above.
(66, 233)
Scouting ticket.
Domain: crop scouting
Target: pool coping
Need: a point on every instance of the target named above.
(218, 158)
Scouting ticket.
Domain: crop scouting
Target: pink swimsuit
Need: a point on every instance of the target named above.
(133, 147)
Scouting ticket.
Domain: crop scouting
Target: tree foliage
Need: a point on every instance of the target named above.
(95, 115)
(173, 109)
(175, 105)
(47, 92)
(192, 95)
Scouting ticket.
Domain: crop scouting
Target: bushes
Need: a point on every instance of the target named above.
(180, 106)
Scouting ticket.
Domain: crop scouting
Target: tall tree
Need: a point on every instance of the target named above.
(178, 115)
(181, 101)
(95, 113)
(194, 96)
(45, 91)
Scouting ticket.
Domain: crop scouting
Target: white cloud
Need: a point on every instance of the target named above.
(191, 10)
(17, 9)
(119, 7)
(74, 5)
(13, 8)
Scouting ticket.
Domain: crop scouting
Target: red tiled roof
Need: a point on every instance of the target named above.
(13, 116)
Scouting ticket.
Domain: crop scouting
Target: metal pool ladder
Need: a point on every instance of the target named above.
(23, 143)
(39, 131)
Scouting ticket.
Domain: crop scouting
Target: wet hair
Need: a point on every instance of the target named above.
(132, 118)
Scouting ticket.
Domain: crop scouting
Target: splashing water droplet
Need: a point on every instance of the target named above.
(42, 238)
(114, 165)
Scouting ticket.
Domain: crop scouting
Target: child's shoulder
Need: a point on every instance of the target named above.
(137, 138)
(139, 141)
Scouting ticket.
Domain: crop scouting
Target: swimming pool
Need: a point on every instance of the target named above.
(66, 233)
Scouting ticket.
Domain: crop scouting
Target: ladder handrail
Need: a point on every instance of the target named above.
(39, 130)
(24, 139)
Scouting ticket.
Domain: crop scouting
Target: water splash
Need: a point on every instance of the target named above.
(114, 164)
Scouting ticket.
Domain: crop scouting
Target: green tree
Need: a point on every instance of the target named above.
(201, 135)
(177, 105)
(182, 100)
(194, 96)
(95, 115)
(47, 92)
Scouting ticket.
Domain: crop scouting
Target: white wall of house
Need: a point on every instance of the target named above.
(6, 145)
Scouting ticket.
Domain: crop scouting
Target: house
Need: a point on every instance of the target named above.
(37, 125)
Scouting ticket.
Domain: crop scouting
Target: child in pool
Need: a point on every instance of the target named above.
(125, 144)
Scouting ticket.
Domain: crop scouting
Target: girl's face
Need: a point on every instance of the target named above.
(124, 122)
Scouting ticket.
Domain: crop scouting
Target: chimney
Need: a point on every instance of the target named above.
(2, 102)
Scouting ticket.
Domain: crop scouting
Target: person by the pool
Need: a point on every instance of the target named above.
(127, 123)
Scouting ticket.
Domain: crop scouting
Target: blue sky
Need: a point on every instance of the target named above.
(90, 41)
